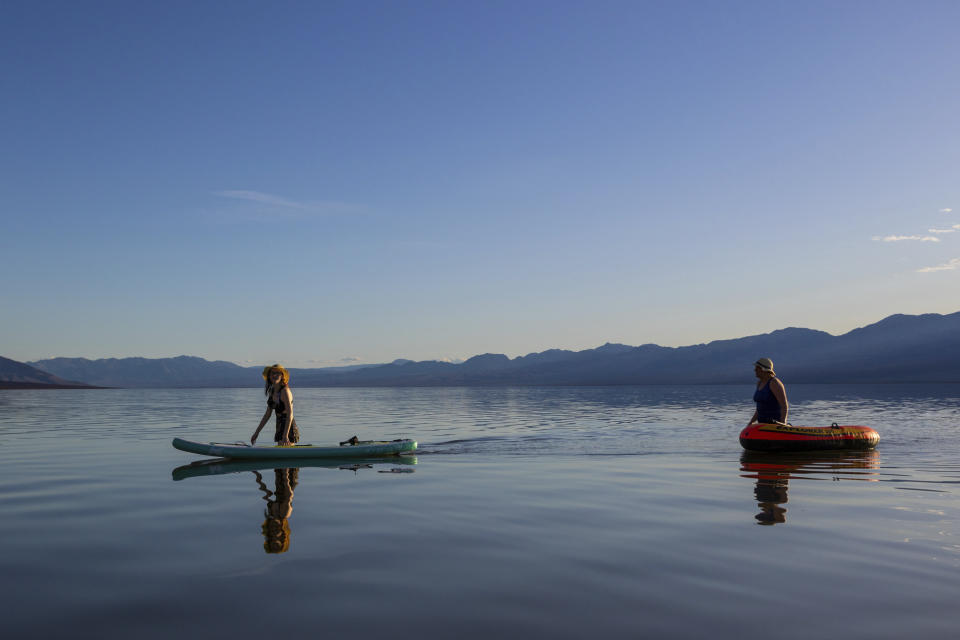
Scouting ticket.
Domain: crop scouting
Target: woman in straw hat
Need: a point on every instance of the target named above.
(279, 400)
(770, 396)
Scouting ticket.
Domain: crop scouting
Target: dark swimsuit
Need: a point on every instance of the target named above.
(768, 409)
(281, 411)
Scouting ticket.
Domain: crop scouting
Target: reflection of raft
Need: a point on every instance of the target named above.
(774, 471)
(809, 464)
(362, 449)
(782, 437)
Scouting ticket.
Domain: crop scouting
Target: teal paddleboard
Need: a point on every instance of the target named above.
(240, 451)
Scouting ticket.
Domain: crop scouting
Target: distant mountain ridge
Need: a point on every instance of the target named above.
(177, 372)
(17, 375)
(900, 348)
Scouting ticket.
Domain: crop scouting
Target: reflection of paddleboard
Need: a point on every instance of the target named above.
(363, 449)
(784, 437)
(220, 466)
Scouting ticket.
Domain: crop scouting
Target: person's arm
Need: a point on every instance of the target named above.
(266, 416)
(287, 397)
(780, 393)
(753, 419)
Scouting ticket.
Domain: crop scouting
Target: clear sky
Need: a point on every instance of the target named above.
(319, 183)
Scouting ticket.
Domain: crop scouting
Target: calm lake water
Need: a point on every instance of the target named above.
(528, 512)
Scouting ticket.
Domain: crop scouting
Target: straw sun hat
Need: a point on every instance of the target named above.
(276, 367)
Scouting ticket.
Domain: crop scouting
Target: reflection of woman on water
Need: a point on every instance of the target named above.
(276, 529)
(770, 396)
(771, 492)
(279, 400)
(773, 473)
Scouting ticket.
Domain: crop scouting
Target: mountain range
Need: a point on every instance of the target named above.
(17, 375)
(900, 348)
(178, 372)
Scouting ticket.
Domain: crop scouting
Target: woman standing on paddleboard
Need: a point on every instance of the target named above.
(770, 396)
(279, 399)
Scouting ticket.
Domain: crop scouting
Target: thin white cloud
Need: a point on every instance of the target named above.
(326, 362)
(946, 210)
(950, 265)
(256, 205)
(262, 198)
(952, 229)
(902, 238)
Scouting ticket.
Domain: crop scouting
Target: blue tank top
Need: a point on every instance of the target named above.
(768, 409)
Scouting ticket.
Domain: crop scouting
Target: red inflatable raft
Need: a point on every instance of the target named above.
(784, 437)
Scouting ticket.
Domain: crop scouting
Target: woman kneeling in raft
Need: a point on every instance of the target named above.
(770, 396)
(279, 399)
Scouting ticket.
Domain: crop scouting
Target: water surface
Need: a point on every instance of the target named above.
(535, 512)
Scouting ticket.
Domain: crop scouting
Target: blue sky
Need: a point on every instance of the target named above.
(319, 183)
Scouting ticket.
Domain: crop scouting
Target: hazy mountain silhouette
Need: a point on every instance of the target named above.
(18, 375)
(900, 348)
(181, 371)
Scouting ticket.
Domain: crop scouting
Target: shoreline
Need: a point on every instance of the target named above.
(6, 384)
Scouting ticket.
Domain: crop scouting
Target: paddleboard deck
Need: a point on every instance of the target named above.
(241, 451)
